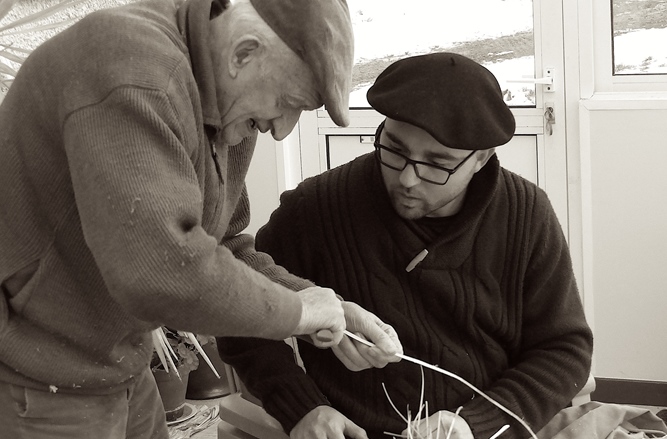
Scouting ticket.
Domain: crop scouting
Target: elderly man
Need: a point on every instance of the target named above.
(465, 259)
(124, 143)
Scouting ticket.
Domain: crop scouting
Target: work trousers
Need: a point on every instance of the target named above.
(135, 412)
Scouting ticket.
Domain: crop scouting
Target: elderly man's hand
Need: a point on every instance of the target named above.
(358, 356)
(324, 422)
(321, 310)
(442, 420)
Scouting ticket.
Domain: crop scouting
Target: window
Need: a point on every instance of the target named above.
(639, 35)
(624, 51)
(386, 30)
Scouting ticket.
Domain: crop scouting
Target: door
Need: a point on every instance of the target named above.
(519, 41)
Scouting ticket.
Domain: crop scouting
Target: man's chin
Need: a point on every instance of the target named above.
(412, 216)
(231, 139)
(233, 135)
(408, 212)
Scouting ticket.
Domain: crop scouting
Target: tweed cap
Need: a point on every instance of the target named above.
(451, 97)
(320, 32)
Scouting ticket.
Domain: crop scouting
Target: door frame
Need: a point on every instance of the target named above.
(315, 127)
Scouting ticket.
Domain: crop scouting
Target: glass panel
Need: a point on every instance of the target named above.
(342, 149)
(640, 33)
(496, 33)
(519, 155)
(31, 35)
(39, 22)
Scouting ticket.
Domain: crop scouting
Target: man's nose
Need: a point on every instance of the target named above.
(408, 176)
(285, 124)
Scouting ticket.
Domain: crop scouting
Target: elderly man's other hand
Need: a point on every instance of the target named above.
(324, 422)
(442, 420)
(321, 310)
(358, 356)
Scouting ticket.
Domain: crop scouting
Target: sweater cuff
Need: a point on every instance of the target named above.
(292, 398)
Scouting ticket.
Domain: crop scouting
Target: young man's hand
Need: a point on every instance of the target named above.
(324, 422)
(358, 356)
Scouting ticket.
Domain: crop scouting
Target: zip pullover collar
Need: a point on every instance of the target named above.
(193, 19)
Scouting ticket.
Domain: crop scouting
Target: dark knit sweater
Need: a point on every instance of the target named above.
(495, 302)
(112, 214)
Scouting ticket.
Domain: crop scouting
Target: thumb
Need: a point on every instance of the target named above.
(386, 339)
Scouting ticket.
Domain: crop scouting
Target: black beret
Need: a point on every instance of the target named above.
(451, 97)
(320, 32)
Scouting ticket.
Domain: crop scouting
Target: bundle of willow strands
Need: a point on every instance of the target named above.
(412, 431)
(456, 377)
(166, 353)
(164, 350)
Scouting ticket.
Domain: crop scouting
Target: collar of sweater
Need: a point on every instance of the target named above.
(193, 22)
(455, 245)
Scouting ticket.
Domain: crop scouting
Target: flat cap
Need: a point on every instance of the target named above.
(320, 33)
(451, 97)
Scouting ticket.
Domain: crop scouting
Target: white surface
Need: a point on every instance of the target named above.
(624, 153)
(642, 51)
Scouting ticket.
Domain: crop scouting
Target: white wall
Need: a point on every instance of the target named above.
(264, 181)
(624, 186)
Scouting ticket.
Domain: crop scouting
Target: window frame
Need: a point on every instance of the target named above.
(600, 62)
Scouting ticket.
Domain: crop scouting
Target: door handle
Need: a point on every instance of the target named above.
(547, 80)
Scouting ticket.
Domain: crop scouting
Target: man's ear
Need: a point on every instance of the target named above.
(483, 157)
(244, 50)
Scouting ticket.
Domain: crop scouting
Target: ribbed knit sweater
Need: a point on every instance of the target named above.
(113, 219)
(495, 302)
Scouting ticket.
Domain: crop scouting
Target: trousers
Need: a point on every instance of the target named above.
(132, 413)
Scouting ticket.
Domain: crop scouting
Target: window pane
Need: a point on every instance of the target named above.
(640, 36)
(495, 33)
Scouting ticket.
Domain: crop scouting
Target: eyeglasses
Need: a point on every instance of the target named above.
(427, 172)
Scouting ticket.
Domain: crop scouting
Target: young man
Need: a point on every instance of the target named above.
(465, 259)
(124, 143)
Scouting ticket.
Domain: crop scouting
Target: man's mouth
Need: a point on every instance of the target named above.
(406, 195)
(254, 125)
(407, 200)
